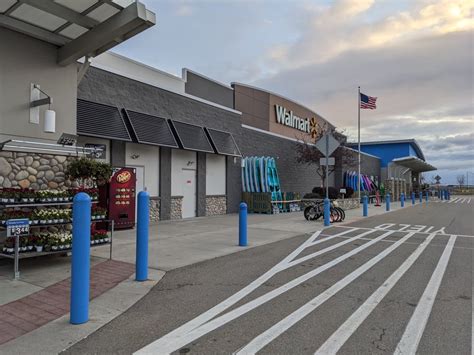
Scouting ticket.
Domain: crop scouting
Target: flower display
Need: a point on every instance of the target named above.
(98, 212)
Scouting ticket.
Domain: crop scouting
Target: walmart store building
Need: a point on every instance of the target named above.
(186, 136)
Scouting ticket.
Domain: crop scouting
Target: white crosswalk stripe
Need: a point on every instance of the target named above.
(220, 315)
(168, 344)
(416, 326)
(338, 338)
(282, 326)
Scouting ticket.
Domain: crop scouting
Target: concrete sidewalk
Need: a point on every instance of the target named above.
(172, 244)
(179, 243)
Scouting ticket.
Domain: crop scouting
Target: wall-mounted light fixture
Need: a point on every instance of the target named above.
(135, 156)
(36, 102)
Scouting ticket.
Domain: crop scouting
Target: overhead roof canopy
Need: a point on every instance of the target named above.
(415, 164)
(78, 27)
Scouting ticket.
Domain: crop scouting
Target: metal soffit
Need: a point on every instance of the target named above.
(78, 28)
(414, 163)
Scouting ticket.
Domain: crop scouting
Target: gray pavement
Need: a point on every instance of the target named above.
(398, 282)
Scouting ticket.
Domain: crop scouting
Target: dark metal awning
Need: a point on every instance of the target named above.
(151, 129)
(414, 163)
(99, 120)
(223, 142)
(192, 137)
(79, 28)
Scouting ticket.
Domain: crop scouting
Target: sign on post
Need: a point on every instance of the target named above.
(332, 144)
(17, 228)
(327, 145)
(331, 161)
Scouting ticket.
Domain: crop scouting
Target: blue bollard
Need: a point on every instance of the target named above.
(387, 202)
(412, 198)
(80, 264)
(420, 195)
(365, 209)
(243, 224)
(327, 212)
(402, 199)
(143, 221)
(427, 196)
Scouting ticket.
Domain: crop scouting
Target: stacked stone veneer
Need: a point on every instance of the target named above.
(34, 171)
(216, 205)
(154, 209)
(176, 207)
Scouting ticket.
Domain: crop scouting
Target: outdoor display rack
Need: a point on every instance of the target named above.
(12, 226)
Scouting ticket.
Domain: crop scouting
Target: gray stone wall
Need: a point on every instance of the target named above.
(34, 171)
(216, 205)
(154, 209)
(176, 207)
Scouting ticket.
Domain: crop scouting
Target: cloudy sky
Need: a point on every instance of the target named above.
(416, 56)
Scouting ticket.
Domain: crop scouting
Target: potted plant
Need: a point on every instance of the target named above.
(68, 240)
(23, 244)
(38, 242)
(53, 241)
(9, 245)
(100, 236)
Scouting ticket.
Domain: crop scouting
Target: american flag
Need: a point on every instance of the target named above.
(367, 102)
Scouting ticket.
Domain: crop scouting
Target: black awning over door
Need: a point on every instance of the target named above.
(192, 137)
(151, 129)
(224, 142)
(99, 120)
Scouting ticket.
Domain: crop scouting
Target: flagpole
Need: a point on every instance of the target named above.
(358, 142)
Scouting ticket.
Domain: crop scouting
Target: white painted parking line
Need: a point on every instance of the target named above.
(416, 326)
(469, 201)
(340, 336)
(282, 326)
(186, 334)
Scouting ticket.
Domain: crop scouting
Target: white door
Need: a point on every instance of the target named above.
(140, 185)
(189, 193)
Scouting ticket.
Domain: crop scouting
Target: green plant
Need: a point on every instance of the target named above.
(86, 168)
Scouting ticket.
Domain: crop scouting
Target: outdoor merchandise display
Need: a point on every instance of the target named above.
(367, 183)
(260, 179)
(260, 175)
(118, 196)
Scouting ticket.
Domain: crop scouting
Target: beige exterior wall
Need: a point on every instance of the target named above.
(25, 60)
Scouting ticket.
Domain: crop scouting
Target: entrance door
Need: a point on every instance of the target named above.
(189, 193)
(140, 185)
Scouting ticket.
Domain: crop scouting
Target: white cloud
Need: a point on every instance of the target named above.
(326, 32)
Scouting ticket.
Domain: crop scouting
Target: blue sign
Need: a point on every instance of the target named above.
(18, 226)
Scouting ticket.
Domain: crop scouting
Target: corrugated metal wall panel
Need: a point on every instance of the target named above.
(98, 120)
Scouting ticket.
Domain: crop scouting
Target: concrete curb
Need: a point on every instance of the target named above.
(59, 335)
